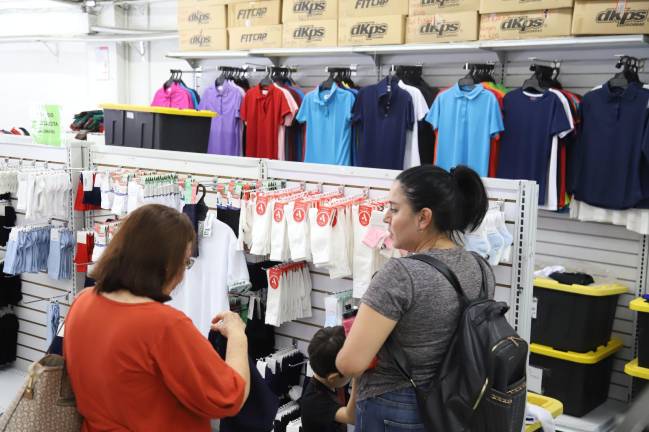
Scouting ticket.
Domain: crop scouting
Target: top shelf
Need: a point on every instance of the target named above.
(567, 43)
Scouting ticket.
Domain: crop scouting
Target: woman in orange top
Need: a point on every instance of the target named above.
(136, 364)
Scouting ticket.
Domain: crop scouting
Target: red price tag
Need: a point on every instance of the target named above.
(364, 215)
(262, 203)
(299, 211)
(278, 214)
(324, 216)
(273, 277)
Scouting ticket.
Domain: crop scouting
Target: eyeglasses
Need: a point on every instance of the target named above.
(189, 262)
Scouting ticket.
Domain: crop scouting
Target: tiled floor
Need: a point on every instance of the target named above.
(10, 381)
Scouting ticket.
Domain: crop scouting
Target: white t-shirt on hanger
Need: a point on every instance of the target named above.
(219, 268)
(411, 157)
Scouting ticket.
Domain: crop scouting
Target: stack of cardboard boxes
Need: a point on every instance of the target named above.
(372, 22)
(310, 23)
(255, 24)
(209, 24)
(202, 25)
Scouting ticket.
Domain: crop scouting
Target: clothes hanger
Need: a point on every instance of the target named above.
(221, 79)
(170, 81)
(469, 79)
(536, 81)
(328, 83)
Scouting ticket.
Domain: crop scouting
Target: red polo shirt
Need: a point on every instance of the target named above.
(263, 111)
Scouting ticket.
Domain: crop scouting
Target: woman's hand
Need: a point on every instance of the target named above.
(228, 324)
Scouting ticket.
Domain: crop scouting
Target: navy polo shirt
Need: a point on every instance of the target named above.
(526, 145)
(609, 167)
(383, 117)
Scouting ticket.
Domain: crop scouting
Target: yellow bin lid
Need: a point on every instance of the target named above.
(636, 371)
(592, 357)
(639, 305)
(587, 290)
(552, 405)
(158, 110)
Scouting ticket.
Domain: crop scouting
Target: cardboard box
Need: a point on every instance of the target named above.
(447, 27)
(311, 34)
(201, 3)
(526, 25)
(500, 6)
(246, 38)
(610, 17)
(371, 8)
(431, 7)
(201, 16)
(309, 10)
(387, 30)
(203, 39)
(255, 13)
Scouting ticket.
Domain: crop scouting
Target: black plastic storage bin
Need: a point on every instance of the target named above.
(642, 308)
(580, 381)
(114, 127)
(158, 127)
(575, 318)
(640, 376)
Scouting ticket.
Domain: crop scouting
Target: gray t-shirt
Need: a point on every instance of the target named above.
(426, 308)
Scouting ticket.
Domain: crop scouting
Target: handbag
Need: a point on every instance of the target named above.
(45, 403)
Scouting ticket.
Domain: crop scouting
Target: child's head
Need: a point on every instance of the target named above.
(323, 349)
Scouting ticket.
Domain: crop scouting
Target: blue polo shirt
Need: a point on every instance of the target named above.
(465, 121)
(610, 167)
(328, 116)
(383, 117)
(530, 124)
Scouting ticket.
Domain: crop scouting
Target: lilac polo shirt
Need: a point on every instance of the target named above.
(225, 133)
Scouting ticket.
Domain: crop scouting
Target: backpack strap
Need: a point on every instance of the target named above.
(483, 263)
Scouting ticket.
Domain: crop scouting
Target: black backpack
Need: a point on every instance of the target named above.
(481, 384)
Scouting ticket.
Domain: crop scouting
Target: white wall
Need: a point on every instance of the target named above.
(73, 74)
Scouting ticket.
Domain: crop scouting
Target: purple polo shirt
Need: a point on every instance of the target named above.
(225, 133)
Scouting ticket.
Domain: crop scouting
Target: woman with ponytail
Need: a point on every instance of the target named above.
(410, 301)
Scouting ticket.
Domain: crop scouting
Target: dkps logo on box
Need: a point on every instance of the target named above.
(442, 28)
(523, 24)
(310, 7)
(369, 30)
(200, 40)
(628, 17)
(309, 33)
(199, 17)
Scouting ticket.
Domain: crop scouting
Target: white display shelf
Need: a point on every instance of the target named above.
(567, 43)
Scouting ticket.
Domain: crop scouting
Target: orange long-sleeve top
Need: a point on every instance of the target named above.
(144, 367)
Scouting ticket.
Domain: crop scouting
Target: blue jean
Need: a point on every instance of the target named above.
(391, 412)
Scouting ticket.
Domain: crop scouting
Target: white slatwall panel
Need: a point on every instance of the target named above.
(206, 167)
(37, 288)
(606, 252)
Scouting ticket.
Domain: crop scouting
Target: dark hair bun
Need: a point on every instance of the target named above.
(457, 199)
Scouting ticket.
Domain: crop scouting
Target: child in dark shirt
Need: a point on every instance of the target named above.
(323, 402)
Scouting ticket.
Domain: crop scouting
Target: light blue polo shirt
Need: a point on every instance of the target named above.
(328, 116)
(465, 122)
